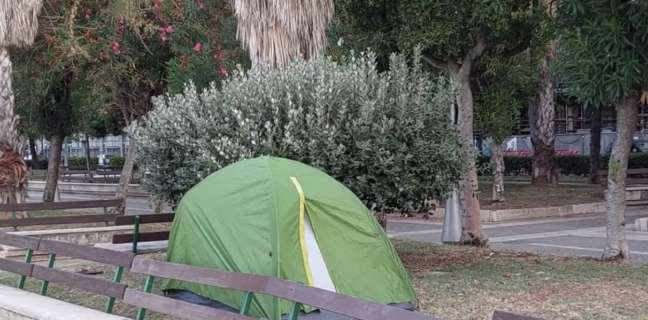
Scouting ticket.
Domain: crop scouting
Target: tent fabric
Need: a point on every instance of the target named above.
(251, 217)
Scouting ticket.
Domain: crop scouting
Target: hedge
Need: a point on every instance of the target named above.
(568, 165)
(80, 163)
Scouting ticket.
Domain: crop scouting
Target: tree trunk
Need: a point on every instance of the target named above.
(86, 143)
(126, 174)
(56, 146)
(617, 247)
(468, 186)
(541, 121)
(8, 119)
(497, 161)
(595, 145)
(34, 155)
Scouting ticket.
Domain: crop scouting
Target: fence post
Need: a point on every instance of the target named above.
(28, 259)
(136, 233)
(148, 286)
(116, 279)
(50, 264)
(246, 302)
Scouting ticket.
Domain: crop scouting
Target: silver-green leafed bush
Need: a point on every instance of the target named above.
(386, 135)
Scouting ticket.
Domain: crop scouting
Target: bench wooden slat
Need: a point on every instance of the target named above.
(326, 300)
(21, 242)
(631, 171)
(636, 181)
(81, 282)
(149, 218)
(56, 220)
(143, 237)
(178, 308)
(341, 304)
(105, 256)
(207, 276)
(61, 205)
(501, 315)
(16, 267)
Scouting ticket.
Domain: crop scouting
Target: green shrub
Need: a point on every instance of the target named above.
(573, 165)
(41, 164)
(116, 162)
(385, 136)
(567, 165)
(79, 163)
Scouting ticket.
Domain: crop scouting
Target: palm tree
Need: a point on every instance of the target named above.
(18, 28)
(274, 31)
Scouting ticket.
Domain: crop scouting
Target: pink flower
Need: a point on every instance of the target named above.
(223, 71)
(88, 13)
(197, 48)
(200, 4)
(116, 47)
(169, 29)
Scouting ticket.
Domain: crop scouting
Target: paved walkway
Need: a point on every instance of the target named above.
(574, 236)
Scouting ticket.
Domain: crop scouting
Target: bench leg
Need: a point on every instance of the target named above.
(28, 259)
(116, 279)
(148, 287)
(50, 264)
(294, 312)
(246, 303)
(136, 234)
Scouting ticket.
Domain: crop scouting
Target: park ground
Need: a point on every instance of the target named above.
(543, 267)
(469, 283)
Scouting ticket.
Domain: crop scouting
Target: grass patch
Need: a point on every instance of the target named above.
(470, 283)
(529, 196)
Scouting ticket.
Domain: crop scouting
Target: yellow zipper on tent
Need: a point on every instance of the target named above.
(302, 227)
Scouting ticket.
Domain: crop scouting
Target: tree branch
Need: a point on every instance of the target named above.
(434, 62)
(474, 53)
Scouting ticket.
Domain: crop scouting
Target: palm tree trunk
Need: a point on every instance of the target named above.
(8, 125)
(497, 160)
(595, 145)
(126, 174)
(617, 247)
(541, 121)
(56, 146)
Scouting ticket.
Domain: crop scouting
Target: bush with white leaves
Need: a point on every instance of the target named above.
(386, 135)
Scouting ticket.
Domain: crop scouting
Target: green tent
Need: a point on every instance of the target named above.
(281, 218)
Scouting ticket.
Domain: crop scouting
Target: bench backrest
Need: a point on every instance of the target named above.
(138, 236)
(66, 205)
(251, 284)
(47, 274)
(326, 300)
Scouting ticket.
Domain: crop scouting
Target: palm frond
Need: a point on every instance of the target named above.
(274, 31)
(18, 22)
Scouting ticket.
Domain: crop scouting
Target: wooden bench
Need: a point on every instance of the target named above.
(66, 205)
(111, 289)
(70, 175)
(300, 295)
(137, 236)
(634, 176)
(108, 172)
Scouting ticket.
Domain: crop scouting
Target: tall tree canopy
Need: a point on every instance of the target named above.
(453, 35)
(603, 60)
